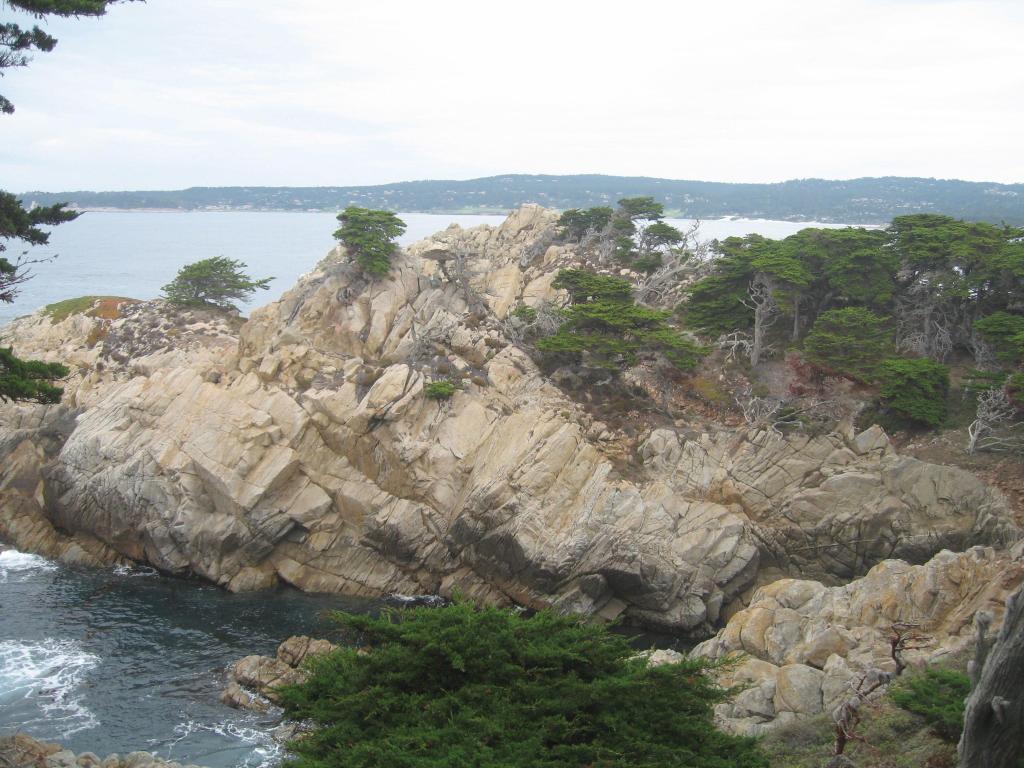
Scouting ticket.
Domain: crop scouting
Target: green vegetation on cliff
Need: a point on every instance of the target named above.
(604, 328)
(456, 687)
(216, 282)
(369, 236)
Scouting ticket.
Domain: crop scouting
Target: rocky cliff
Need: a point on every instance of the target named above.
(303, 450)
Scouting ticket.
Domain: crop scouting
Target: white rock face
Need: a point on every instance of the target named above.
(802, 644)
(308, 453)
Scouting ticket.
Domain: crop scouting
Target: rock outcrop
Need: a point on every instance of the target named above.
(800, 645)
(306, 453)
(21, 751)
(252, 680)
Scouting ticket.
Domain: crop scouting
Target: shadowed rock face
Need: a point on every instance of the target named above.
(309, 454)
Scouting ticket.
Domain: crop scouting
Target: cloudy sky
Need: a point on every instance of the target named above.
(176, 93)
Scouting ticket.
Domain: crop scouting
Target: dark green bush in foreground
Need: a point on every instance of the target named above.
(937, 694)
(456, 687)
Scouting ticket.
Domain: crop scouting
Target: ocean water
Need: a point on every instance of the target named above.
(135, 253)
(119, 660)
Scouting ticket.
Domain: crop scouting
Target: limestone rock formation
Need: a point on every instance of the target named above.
(306, 453)
(801, 644)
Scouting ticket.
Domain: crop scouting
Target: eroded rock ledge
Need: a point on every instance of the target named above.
(303, 451)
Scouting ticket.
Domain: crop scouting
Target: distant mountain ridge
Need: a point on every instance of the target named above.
(854, 201)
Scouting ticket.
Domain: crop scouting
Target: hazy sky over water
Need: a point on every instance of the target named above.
(176, 93)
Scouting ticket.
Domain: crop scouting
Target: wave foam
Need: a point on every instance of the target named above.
(48, 674)
(266, 752)
(13, 562)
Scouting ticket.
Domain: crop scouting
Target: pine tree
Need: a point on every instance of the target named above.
(216, 282)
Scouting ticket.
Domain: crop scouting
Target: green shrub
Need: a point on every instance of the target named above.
(1005, 332)
(456, 687)
(1015, 389)
(525, 312)
(915, 389)
(440, 390)
(369, 236)
(850, 342)
(937, 694)
(216, 282)
(604, 329)
(574, 224)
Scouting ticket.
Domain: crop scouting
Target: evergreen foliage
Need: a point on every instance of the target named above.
(459, 687)
(717, 303)
(605, 329)
(574, 224)
(635, 244)
(29, 380)
(18, 43)
(1015, 390)
(369, 236)
(849, 342)
(1005, 332)
(19, 224)
(216, 282)
(915, 389)
(937, 694)
(440, 390)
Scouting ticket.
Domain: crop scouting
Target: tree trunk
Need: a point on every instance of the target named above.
(762, 301)
(994, 718)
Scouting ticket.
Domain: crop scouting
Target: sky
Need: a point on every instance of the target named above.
(169, 94)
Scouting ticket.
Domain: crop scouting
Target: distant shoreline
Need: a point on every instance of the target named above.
(488, 212)
(855, 201)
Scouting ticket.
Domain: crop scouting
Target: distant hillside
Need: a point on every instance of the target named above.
(868, 200)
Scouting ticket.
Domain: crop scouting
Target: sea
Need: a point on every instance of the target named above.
(123, 659)
(135, 253)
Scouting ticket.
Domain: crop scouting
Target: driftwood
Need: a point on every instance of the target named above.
(993, 734)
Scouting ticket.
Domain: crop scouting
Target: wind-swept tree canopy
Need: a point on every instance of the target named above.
(849, 342)
(216, 282)
(369, 236)
(29, 380)
(459, 687)
(604, 328)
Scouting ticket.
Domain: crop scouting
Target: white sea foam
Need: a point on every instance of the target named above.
(266, 752)
(48, 675)
(15, 564)
(135, 570)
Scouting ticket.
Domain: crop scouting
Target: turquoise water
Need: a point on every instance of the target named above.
(134, 253)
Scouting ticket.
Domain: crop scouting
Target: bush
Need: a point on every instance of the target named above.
(1005, 332)
(849, 342)
(575, 224)
(369, 236)
(915, 389)
(1015, 389)
(456, 687)
(216, 282)
(525, 312)
(605, 329)
(440, 390)
(937, 694)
